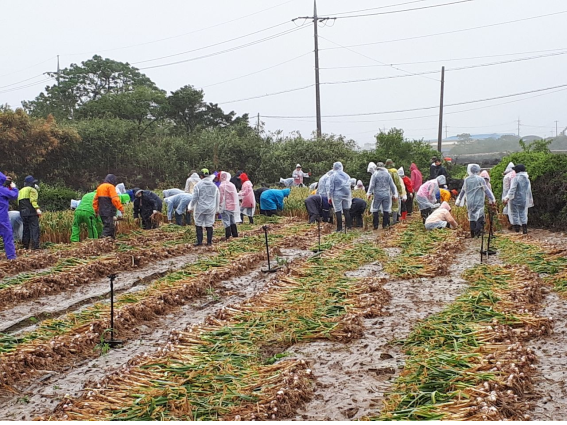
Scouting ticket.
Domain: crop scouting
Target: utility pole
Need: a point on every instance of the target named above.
(440, 135)
(58, 71)
(446, 131)
(556, 132)
(519, 128)
(316, 19)
(258, 124)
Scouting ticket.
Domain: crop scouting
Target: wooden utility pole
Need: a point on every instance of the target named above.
(258, 124)
(518, 127)
(316, 19)
(440, 134)
(58, 71)
(556, 132)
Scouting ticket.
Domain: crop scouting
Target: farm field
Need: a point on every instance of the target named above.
(395, 324)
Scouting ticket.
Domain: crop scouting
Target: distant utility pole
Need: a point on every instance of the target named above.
(58, 71)
(440, 134)
(518, 127)
(316, 19)
(258, 124)
(446, 131)
(556, 132)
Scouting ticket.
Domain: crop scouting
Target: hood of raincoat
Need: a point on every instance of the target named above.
(286, 192)
(509, 168)
(390, 163)
(2, 179)
(359, 184)
(445, 206)
(120, 188)
(225, 177)
(413, 167)
(194, 178)
(473, 169)
(371, 167)
(110, 178)
(485, 175)
(352, 182)
(441, 180)
(338, 166)
(401, 172)
(244, 177)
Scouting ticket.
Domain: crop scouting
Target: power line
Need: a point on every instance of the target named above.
(268, 95)
(454, 31)
(29, 67)
(405, 10)
(232, 49)
(182, 35)
(377, 8)
(22, 81)
(26, 86)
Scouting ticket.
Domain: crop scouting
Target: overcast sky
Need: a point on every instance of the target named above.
(131, 31)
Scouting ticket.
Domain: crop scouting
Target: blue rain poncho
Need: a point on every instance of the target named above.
(179, 203)
(273, 199)
(7, 194)
(473, 193)
(205, 203)
(170, 192)
(383, 188)
(339, 189)
(520, 199)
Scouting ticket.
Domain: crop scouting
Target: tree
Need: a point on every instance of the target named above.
(464, 138)
(536, 146)
(392, 145)
(187, 109)
(83, 83)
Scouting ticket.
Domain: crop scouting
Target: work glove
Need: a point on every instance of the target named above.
(404, 198)
(368, 196)
(436, 205)
(38, 212)
(12, 185)
(115, 219)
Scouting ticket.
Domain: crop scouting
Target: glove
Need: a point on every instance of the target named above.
(119, 214)
(394, 198)
(368, 196)
(155, 212)
(115, 218)
(436, 205)
(38, 211)
(12, 185)
(404, 198)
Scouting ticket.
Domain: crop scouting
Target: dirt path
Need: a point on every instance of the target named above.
(41, 397)
(352, 379)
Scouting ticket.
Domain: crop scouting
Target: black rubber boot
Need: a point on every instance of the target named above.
(199, 236)
(227, 232)
(386, 220)
(234, 230)
(339, 221)
(517, 228)
(525, 229)
(242, 217)
(376, 219)
(251, 219)
(472, 233)
(209, 236)
(348, 219)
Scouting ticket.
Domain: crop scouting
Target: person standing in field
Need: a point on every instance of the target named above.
(248, 206)
(192, 181)
(340, 195)
(407, 205)
(519, 199)
(391, 167)
(298, 175)
(229, 206)
(384, 190)
(416, 178)
(106, 203)
(473, 194)
(85, 214)
(509, 175)
(205, 205)
(30, 212)
(8, 192)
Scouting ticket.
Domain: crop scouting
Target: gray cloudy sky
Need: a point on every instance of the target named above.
(138, 31)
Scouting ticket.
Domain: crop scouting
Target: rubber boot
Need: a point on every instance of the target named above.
(209, 236)
(348, 219)
(199, 236)
(517, 228)
(394, 217)
(472, 233)
(251, 219)
(404, 215)
(339, 216)
(227, 232)
(386, 220)
(234, 230)
(376, 219)
(525, 229)
(242, 217)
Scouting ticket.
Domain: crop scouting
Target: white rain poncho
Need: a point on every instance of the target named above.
(206, 202)
(473, 193)
(313, 186)
(426, 195)
(352, 183)
(170, 192)
(509, 175)
(120, 189)
(229, 202)
(287, 182)
(179, 203)
(441, 181)
(191, 182)
(520, 199)
(323, 187)
(339, 189)
(383, 188)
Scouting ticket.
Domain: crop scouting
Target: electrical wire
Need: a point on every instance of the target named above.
(29, 67)
(22, 81)
(268, 95)
(377, 8)
(26, 86)
(404, 10)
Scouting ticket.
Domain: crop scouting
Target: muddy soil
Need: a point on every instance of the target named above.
(24, 315)
(43, 395)
(352, 379)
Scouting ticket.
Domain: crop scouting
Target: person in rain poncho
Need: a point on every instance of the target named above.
(384, 190)
(248, 206)
(352, 183)
(120, 189)
(147, 205)
(179, 203)
(298, 175)
(442, 182)
(416, 178)
(441, 218)
(85, 214)
(257, 195)
(426, 198)
(360, 186)
(357, 210)
(340, 195)
(170, 192)
(229, 206)
(313, 188)
(192, 181)
(407, 205)
(519, 198)
(509, 175)
(445, 195)
(106, 203)
(272, 201)
(318, 208)
(484, 174)
(400, 187)
(205, 205)
(323, 186)
(7, 194)
(286, 182)
(473, 193)
(17, 225)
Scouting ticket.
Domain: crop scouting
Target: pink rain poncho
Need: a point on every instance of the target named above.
(484, 174)
(229, 205)
(426, 195)
(248, 206)
(416, 177)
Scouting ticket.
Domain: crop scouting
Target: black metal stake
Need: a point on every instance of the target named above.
(113, 342)
(269, 269)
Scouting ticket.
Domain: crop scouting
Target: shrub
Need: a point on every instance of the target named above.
(56, 198)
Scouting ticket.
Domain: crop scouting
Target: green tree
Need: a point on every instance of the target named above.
(536, 146)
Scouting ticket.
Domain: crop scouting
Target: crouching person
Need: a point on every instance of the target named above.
(441, 218)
